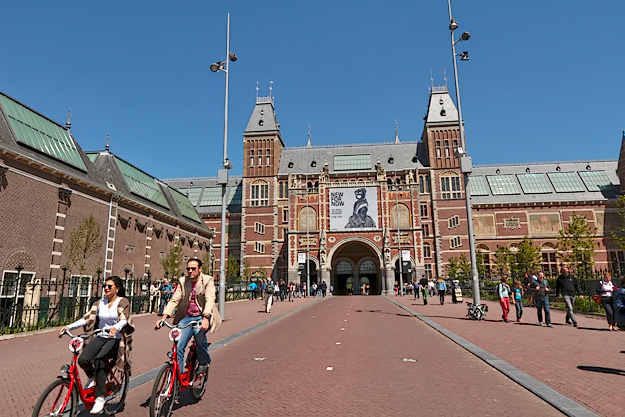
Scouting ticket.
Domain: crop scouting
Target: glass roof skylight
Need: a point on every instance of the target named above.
(595, 180)
(185, 206)
(193, 194)
(566, 182)
(212, 196)
(503, 184)
(352, 162)
(534, 183)
(39, 133)
(141, 183)
(478, 186)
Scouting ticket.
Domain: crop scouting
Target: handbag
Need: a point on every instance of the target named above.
(596, 298)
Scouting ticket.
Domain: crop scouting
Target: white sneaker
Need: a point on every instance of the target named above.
(89, 384)
(98, 405)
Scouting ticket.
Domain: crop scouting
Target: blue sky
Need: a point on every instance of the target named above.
(544, 81)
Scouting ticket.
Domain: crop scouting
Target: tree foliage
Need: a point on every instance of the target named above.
(479, 259)
(207, 263)
(619, 235)
(504, 259)
(232, 271)
(171, 263)
(527, 258)
(84, 241)
(458, 267)
(576, 244)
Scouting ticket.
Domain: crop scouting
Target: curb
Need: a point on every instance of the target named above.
(549, 395)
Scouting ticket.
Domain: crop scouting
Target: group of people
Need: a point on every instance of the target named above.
(428, 287)
(193, 300)
(281, 291)
(160, 294)
(538, 290)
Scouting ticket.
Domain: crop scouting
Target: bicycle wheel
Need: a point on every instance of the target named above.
(162, 400)
(52, 399)
(198, 386)
(117, 386)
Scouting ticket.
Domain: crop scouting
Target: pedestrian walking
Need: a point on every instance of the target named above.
(154, 293)
(503, 292)
(541, 298)
(441, 287)
(606, 289)
(417, 289)
(517, 294)
(619, 305)
(268, 295)
(431, 288)
(568, 286)
(253, 288)
(529, 284)
(166, 292)
(424, 290)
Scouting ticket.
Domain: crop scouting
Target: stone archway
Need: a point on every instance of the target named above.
(353, 263)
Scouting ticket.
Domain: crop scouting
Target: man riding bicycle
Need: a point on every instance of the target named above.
(194, 301)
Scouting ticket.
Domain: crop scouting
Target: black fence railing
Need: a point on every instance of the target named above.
(29, 304)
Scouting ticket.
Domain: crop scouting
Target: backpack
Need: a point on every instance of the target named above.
(269, 289)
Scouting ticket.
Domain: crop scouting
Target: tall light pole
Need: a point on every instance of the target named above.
(401, 258)
(222, 174)
(465, 160)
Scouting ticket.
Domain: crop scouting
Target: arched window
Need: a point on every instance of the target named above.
(307, 219)
(344, 267)
(260, 193)
(450, 186)
(368, 267)
(549, 259)
(402, 212)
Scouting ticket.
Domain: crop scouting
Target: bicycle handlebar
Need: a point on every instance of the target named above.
(171, 326)
(84, 336)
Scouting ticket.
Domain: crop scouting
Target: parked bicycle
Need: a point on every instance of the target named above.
(476, 311)
(61, 397)
(172, 380)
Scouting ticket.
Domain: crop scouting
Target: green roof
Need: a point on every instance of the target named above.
(185, 206)
(92, 156)
(141, 183)
(39, 133)
(566, 182)
(193, 194)
(534, 183)
(352, 162)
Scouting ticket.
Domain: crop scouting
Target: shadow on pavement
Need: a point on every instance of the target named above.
(602, 370)
(382, 312)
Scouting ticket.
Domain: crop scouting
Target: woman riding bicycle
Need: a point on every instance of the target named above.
(111, 313)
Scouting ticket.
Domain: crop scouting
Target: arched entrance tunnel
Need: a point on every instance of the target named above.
(356, 270)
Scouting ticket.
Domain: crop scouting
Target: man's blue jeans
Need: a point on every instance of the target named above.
(543, 302)
(201, 345)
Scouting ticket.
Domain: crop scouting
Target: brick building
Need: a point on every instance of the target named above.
(294, 205)
(50, 187)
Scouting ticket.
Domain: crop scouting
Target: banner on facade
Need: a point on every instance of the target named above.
(301, 258)
(353, 208)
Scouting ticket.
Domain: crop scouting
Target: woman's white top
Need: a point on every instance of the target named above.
(607, 288)
(107, 318)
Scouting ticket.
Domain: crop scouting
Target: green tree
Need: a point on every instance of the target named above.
(232, 271)
(459, 267)
(619, 234)
(84, 241)
(504, 259)
(576, 244)
(479, 259)
(207, 263)
(171, 263)
(527, 258)
(247, 270)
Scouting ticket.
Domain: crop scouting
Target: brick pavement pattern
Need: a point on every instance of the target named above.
(30, 363)
(585, 364)
(388, 363)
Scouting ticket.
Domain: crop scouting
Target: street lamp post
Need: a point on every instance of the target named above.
(465, 160)
(222, 174)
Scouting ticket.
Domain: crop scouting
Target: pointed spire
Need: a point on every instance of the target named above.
(257, 88)
(270, 90)
(396, 132)
(445, 77)
(431, 79)
(108, 143)
(68, 124)
(309, 144)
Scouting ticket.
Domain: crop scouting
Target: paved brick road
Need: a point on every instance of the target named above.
(369, 376)
(586, 364)
(29, 363)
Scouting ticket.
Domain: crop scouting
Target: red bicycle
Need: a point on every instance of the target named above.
(170, 381)
(61, 397)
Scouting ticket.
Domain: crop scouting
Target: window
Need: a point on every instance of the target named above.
(447, 153)
(423, 210)
(259, 247)
(427, 251)
(251, 157)
(478, 186)
(454, 222)
(455, 242)
(280, 189)
(10, 283)
(438, 149)
(260, 157)
(402, 212)
(550, 264)
(503, 184)
(260, 193)
(268, 157)
(352, 162)
(284, 231)
(259, 228)
(617, 261)
(595, 180)
(428, 271)
(426, 230)
(534, 183)
(450, 186)
(566, 182)
(424, 184)
(307, 219)
(285, 215)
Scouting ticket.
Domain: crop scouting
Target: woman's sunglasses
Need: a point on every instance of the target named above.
(108, 286)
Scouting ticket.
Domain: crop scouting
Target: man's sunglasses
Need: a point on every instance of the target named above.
(191, 269)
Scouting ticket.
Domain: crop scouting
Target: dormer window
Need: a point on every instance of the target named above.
(313, 164)
(261, 122)
(391, 160)
(443, 113)
(290, 164)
